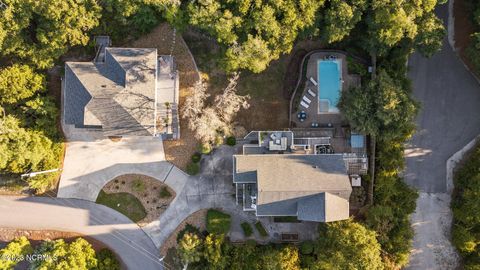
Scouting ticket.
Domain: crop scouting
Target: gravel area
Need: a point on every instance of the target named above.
(197, 219)
(147, 189)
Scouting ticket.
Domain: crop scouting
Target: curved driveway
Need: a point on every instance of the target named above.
(448, 120)
(125, 238)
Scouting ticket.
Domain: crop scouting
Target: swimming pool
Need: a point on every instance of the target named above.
(329, 85)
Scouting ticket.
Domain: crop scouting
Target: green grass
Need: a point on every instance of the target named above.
(287, 219)
(138, 185)
(193, 168)
(247, 229)
(261, 230)
(218, 222)
(124, 203)
(164, 193)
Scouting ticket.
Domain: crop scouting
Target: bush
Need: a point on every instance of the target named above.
(164, 193)
(196, 157)
(193, 168)
(138, 185)
(306, 248)
(205, 148)
(247, 229)
(218, 222)
(261, 230)
(189, 228)
(231, 141)
(465, 207)
(106, 260)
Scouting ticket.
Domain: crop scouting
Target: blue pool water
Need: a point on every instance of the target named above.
(329, 82)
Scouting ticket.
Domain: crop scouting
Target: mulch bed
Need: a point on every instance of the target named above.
(148, 194)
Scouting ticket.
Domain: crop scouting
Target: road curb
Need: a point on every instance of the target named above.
(455, 159)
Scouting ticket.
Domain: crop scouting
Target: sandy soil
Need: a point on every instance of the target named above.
(149, 197)
(197, 219)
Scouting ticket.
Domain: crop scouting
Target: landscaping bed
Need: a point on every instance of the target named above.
(147, 192)
(196, 219)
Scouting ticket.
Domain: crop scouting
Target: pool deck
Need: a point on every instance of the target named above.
(313, 114)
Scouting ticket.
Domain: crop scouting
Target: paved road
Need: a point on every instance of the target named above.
(448, 120)
(125, 238)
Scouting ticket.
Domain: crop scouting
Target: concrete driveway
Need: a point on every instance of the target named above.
(124, 237)
(92, 162)
(448, 120)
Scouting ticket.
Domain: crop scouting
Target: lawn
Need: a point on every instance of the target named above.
(218, 222)
(247, 229)
(124, 203)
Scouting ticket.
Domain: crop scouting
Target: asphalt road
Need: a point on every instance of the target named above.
(449, 116)
(125, 238)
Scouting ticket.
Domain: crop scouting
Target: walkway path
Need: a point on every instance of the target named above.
(120, 234)
(448, 120)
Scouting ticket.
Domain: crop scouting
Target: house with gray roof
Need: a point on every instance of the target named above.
(123, 92)
(310, 187)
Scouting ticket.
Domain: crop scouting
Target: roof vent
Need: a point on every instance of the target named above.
(315, 166)
(104, 85)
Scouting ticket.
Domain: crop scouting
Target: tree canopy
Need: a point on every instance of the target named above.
(381, 106)
(38, 32)
(347, 245)
(13, 252)
(253, 32)
(61, 255)
(19, 82)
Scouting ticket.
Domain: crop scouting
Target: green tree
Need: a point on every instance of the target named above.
(253, 33)
(190, 248)
(383, 107)
(107, 260)
(389, 22)
(41, 31)
(340, 18)
(215, 252)
(77, 255)
(430, 35)
(13, 252)
(347, 245)
(19, 82)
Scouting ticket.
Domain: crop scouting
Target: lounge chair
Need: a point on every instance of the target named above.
(313, 81)
(306, 99)
(311, 93)
(305, 105)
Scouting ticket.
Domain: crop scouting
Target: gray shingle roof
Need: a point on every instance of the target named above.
(323, 207)
(284, 182)
(119, 94)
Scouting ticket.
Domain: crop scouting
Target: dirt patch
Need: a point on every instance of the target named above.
(154, 195)
(179, 151)
(197, 219)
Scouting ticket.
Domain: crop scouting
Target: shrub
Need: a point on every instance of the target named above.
(196, 157)
(306, 248)
(218, 222)
(247, 229)
(231, 141)
(189, 228)
(193, 168)
(261, 230)
(164, 193)
(138, 185)
(205, 148)
(106, 260)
